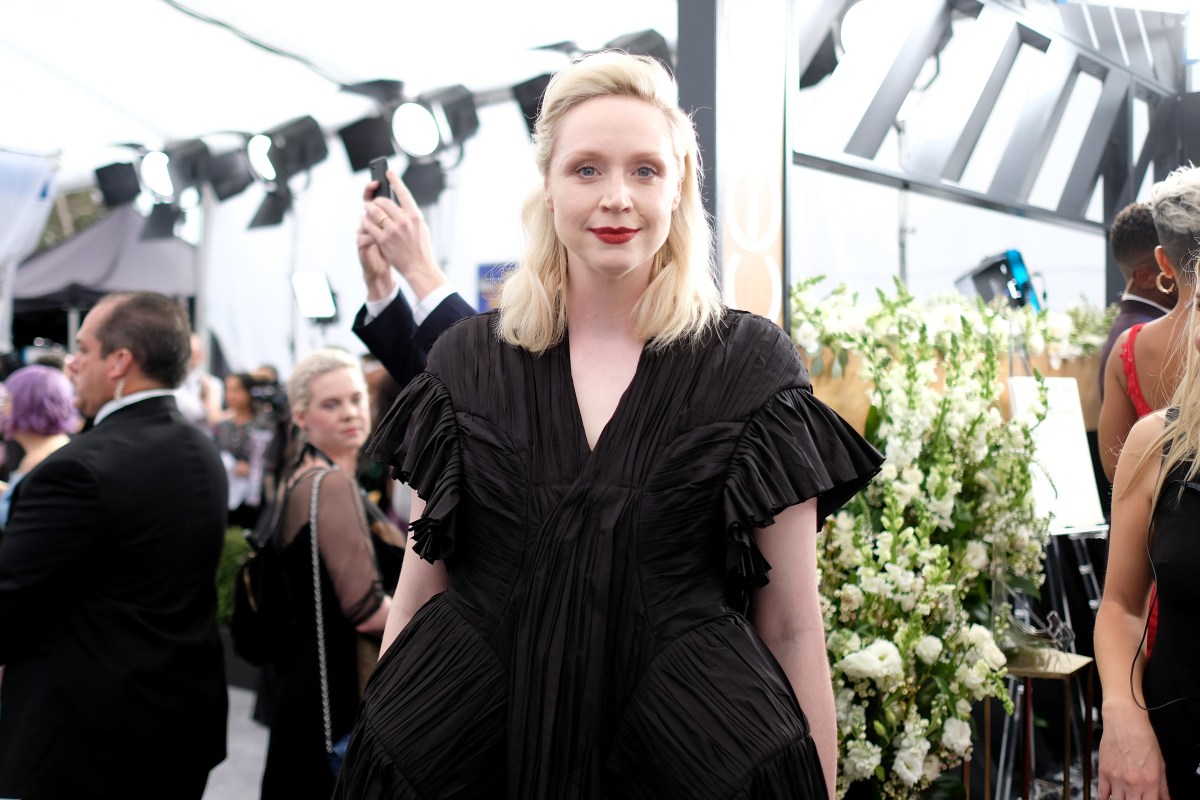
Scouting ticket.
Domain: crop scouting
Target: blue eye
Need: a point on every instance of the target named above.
(646, 172)
(586, 172)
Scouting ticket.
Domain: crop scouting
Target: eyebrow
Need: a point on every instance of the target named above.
(648, 155)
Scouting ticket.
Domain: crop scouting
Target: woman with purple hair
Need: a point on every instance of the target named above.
(41, 412)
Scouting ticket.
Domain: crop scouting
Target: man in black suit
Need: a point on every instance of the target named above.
(395, 233)
(114, 684)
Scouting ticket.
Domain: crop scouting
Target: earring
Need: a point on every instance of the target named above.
(1158, 281)
(119, 392)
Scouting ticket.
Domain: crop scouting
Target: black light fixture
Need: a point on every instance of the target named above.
(1004, 275)
(274, 207)
(645, 43)
(229, 173)
(162, 220)
(371, 137)
(367, 139)
(176, 167)
(278, 154)
(425, 179)
(529, 97)
(118, 183)
(287, 149)
(435, 121)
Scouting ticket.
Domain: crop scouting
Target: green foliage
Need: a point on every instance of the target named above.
(235, 551)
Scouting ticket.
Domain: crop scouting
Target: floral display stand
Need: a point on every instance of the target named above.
(915, 570)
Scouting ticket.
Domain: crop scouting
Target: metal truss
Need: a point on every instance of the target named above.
(1134, 54)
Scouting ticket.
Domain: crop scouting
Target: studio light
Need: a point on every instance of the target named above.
(256, 155)
(274, 207)
(287, 149)
(367, 139)
(313, 295)
(162, 220)
(426, 180)
(229, 173)
(178, 166)
(415, 129)
(118, 183)
(435, 121)
(1003, 275)
(529, 97)
(278, 154)
(645, 43)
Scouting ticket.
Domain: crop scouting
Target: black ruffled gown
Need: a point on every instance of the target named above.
(591, 643)
(1171, 681)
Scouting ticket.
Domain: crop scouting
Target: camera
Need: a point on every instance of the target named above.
(270, 400)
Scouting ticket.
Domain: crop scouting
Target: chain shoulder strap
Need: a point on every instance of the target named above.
(319, 608)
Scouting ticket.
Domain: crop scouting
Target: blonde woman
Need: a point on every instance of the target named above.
(1151, 745)
(328, 398)
(605, 471)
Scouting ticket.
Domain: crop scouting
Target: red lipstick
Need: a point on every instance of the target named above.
(615, 235)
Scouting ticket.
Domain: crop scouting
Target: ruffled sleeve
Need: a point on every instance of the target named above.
(794, 448)
(419, 440)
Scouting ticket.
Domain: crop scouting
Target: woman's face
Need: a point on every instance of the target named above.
(236, 396)
(612, 183)
(336, 418)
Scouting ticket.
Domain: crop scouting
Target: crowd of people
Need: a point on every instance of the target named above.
(608, 586)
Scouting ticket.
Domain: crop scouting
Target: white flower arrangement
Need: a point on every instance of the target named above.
(907, 567)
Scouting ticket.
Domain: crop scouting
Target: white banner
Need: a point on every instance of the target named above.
(26, 197)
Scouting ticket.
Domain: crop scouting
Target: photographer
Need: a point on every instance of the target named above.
(244, 438)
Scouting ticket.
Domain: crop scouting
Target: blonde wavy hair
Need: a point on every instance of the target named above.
(1179, 440)
(682, 300)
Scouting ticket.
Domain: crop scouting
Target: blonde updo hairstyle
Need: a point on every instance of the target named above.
(682, 300)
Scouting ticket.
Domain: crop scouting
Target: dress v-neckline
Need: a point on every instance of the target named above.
(581, 430)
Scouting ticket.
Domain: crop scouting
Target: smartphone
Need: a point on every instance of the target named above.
(379, 167)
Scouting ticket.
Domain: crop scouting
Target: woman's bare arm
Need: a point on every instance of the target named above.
(786, 613)
(1130, 760)
(419, 581)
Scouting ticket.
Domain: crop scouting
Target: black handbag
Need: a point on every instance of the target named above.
(264, 624)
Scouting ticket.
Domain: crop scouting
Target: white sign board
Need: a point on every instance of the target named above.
(1064, 485)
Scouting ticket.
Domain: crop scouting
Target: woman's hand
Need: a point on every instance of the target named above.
(1131, 764)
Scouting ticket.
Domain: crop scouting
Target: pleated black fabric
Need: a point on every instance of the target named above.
(590, 644)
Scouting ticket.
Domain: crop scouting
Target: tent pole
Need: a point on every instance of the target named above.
(208, 204)
(73, 315)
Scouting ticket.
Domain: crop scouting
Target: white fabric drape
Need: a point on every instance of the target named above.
(26, 197)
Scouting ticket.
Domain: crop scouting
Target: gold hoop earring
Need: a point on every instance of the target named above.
(1158, 281)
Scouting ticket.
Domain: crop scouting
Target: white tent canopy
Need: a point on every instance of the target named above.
(79, 77)
(76, 75)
